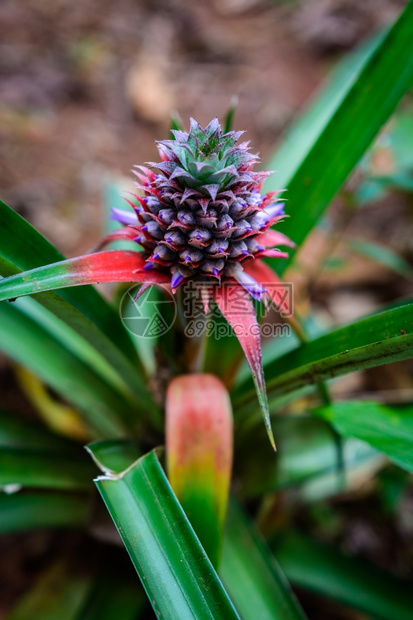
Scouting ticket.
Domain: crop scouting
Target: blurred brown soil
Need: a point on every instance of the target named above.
(86, 88)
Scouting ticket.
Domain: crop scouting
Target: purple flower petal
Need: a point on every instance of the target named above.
(275, 210)
(251, 286)
(128, 218)
(177, 279)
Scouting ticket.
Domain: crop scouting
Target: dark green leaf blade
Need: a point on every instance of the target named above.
(306, 459)
(349, 580)
(175, 571)
(25, 248)
(251, 575)
(24, 511)
(20, 433)
(114, 595)
(68, 324)
(389, 429)
(342, 129)
(34, 468)
(83, 310)
(378, 339)
(59, 592)
(105, 409)
(113, 456)
(85, 350)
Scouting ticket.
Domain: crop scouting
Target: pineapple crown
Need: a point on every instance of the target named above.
(207, 159)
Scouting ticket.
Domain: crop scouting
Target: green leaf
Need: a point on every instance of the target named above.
(306, 459)
(25, 248)
(77, 332)
(76, 344)
(16, 432)
(37, 468)
(34, 457)
(175, 571)
(83, 310)
(113, 456)
(329, 140)
(389, 429)
(252, 576)
(98, 267)
(25, 511)
(113, 595)
(379, 339)
(349, 580)
(57, 593)
(105, 409)
(112, 266)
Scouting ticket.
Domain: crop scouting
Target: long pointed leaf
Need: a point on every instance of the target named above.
(41, 510)
(59, 592)
(389, 429)
(350, 580)
(251, 575)
(306, 459)
(245, 325)
(111, 266)
(105, 409)
(335, 134)
(25, 248)
(175, 571)
(34, 468)
(84, 310)
(373, 341)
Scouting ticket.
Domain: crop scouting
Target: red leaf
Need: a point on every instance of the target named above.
(199, 446)
(272, 253)
(113, 266)
(271, 238)
(236, 305)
